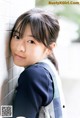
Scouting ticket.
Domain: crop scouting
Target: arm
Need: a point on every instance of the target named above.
(34, 90)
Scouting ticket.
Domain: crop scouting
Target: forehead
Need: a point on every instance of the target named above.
(27, 30)
(23, 31)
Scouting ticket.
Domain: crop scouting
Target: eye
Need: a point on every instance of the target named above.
(31, 42)
(16, 37)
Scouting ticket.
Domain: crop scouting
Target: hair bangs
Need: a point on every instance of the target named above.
(20, 26)
(39, 30)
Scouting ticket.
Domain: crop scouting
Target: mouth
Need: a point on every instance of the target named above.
(18, 57)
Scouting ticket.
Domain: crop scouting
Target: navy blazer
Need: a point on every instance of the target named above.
(34, 90)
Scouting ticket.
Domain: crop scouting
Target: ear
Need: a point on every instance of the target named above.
(49, 50)
(52, 45)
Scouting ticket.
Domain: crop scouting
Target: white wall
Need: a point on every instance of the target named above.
(9, 11)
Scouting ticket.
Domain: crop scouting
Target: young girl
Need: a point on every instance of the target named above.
(32, 43)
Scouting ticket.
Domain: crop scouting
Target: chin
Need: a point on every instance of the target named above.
(19, 64)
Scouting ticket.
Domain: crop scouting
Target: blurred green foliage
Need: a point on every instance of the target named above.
(70, 11)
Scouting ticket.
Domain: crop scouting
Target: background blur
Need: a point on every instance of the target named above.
(9, 11)
(66, 51)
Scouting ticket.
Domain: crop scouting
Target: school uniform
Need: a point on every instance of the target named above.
(35, 89)
(39, 93)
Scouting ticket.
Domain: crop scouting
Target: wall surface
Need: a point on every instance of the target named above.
(9, 11)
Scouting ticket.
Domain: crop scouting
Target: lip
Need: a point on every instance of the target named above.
(19, 56)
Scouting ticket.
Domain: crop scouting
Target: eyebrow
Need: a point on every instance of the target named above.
(32, 36)
(35, 38)
(16, 31)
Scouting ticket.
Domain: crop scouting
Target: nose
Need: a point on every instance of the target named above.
(21, 46)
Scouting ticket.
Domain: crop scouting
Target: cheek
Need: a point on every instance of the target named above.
(12, 45)
(39, 51)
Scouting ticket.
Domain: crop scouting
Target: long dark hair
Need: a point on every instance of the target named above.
(44, 28)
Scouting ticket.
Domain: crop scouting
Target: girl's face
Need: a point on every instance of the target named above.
(27, 50)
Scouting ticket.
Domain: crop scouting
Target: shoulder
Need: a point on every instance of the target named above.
(36, 70)
(35, 73)
(36, 80)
